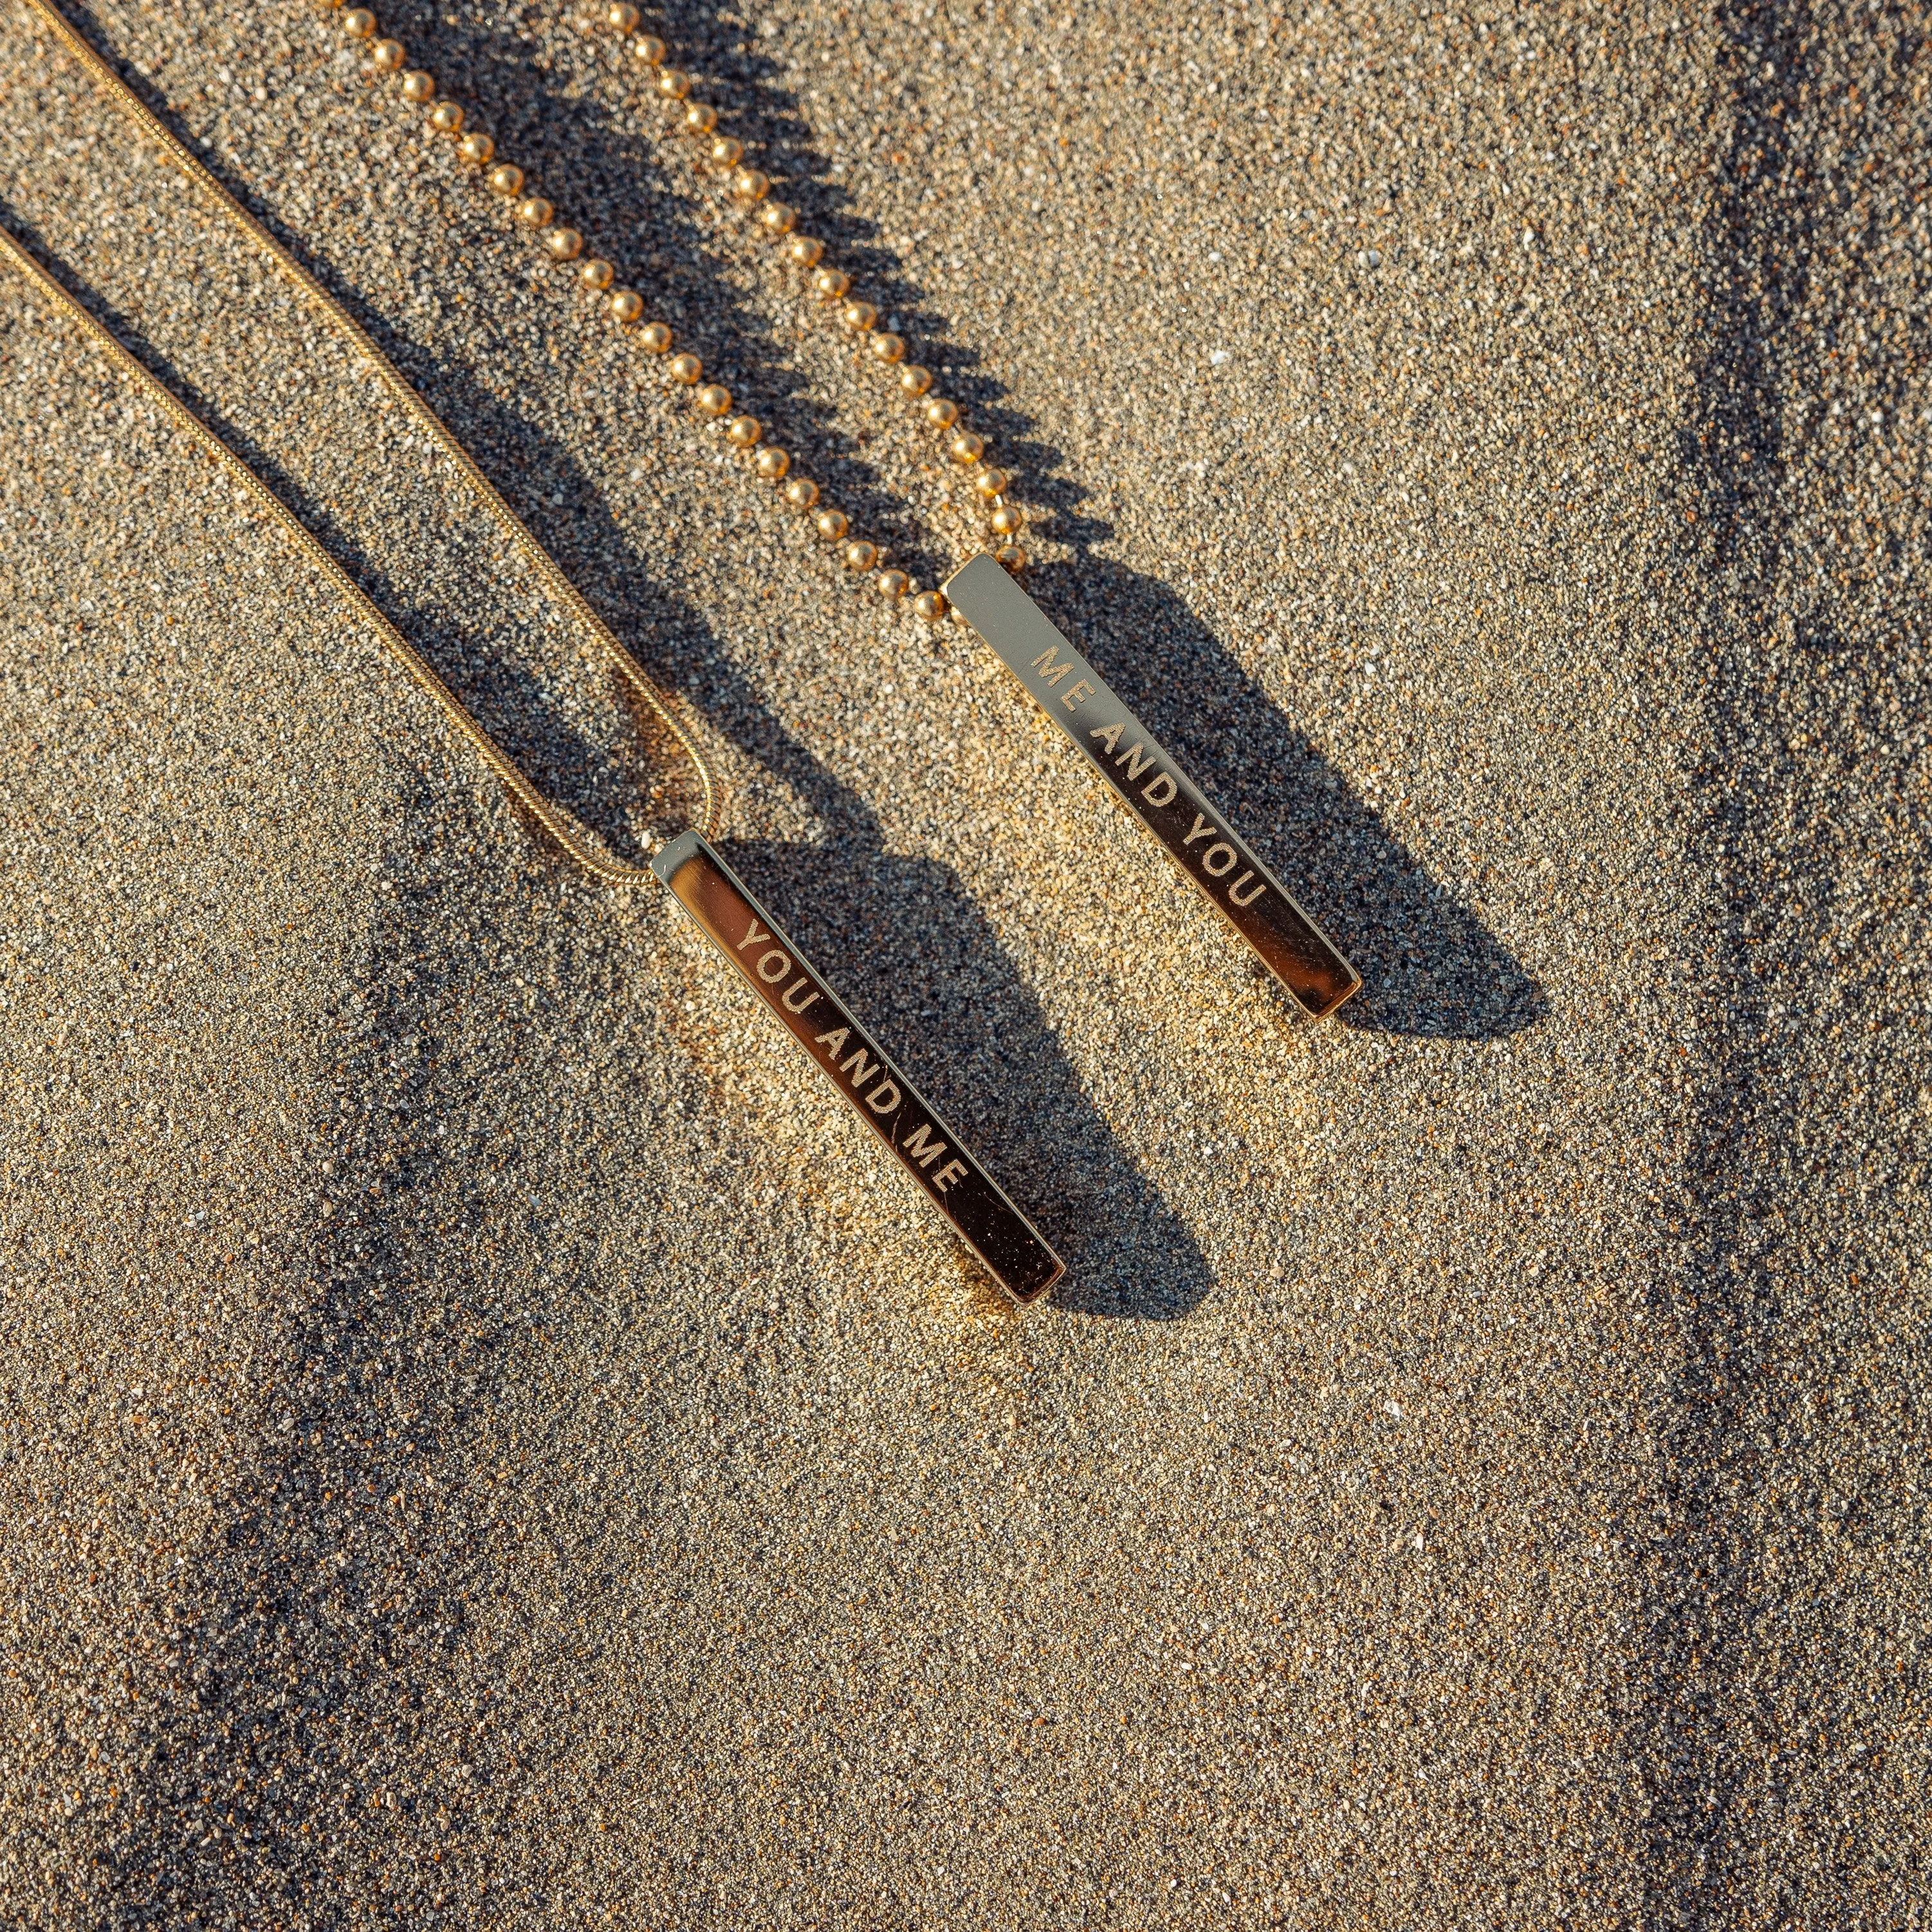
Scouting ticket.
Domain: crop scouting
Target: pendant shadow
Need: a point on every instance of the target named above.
(1430, 967)
(628, 178)
(967, 1026)
(908, 948)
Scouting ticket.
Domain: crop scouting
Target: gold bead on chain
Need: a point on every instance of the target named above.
(751, 187)
(828, 285)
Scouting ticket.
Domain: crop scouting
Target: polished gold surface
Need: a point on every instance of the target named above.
(793, 992)
(1147, 781)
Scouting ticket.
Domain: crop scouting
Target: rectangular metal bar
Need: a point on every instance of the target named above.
(1149, 783)
(876, 1091)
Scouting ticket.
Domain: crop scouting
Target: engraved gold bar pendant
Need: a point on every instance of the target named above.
(1149, 783)
(876, 1091)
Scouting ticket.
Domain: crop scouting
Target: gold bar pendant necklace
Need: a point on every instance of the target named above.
(1123, 753)
(723, 907)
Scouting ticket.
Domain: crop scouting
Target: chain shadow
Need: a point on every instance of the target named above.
(967, 1027)
(610, 174)
(1430, 967)
(506, 697)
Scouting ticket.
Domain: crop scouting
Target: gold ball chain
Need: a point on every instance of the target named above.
(752, 188)
(778, 222)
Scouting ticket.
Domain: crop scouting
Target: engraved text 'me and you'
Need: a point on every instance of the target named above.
(876, 1091)
(1123, 750)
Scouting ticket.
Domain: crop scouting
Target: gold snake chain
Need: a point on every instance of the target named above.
(560, 824)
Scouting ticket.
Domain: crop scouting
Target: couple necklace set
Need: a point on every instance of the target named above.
(983, 594)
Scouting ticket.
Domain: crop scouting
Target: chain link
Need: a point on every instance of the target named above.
(560, 824)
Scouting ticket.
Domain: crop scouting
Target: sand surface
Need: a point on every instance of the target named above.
(486, 1440)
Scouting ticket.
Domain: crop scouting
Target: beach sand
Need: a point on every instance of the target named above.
(490, 1440)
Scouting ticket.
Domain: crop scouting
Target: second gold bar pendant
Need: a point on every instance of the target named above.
(876, 1091)
(1148, 782)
